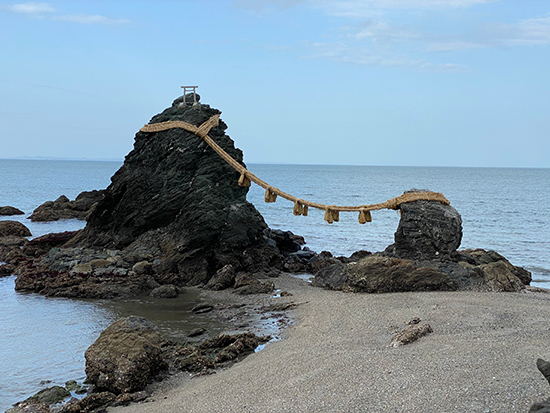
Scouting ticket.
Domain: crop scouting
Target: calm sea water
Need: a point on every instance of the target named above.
(45, 339)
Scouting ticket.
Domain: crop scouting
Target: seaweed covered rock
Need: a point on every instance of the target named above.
(125, 357)
(175, 199)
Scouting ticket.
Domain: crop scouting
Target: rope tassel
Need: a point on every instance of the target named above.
(332, 215)
(298, 209)
(270, 196)
(364, 216)
(244, 180)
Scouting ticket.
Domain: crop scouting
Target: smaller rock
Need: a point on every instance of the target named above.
(16, 228)
(224, 278)
(197, 332)
(256, 287)
(202, 308)
(84, 269)
(165, 291)
(29, 407)
(9, 210)
(100, 263)
(50, 395)
(89, 403)
(6, 270)
(410, 334)
(142, 267)
(12, 241)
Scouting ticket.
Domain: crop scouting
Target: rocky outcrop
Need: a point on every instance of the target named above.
(125, 357)
(41, 245)
(13, 228)
(9, 210)
(175, 199)
(424, 257)
(63, 208)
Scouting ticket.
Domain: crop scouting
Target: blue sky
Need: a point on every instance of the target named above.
(363, 82)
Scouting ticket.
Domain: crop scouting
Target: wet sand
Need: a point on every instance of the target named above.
(481, 357)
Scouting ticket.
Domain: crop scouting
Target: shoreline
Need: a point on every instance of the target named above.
(481, 356)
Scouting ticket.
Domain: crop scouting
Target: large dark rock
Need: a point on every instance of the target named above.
(63, 208)
(125, 357)
(427, 230)
(176, 199)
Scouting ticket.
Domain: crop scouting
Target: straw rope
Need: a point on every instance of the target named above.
(300, 205)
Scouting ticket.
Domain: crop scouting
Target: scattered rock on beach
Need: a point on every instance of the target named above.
(125, 357)
(9, 210)
(412, 332)
(165, 291)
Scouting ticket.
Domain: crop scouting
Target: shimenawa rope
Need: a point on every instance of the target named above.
(300, 205)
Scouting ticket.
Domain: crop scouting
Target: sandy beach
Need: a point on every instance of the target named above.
(481, 357)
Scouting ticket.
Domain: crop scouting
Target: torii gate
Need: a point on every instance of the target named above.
(191, 90)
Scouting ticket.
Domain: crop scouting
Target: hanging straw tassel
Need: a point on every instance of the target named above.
(328, 216)
(244, 180)
(270, 196)
(298, 208)
(332, 215)
(304, 210)
(364, 216)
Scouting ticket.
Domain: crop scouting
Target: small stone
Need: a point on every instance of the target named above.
(410, 334)
(101, 263)
(165, 291)
(196, 332)
(142, 267)
(202, 308)
(84, 269)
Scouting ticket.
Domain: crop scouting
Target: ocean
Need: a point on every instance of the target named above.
(44, 339)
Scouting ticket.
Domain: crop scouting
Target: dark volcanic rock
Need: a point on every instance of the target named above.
(125, 357)
(176, 199)
(13, 228)
(63, 208)
(9, 210)
(427, 230)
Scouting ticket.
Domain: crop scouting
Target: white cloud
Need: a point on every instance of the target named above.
(35, 9)
(526, 32)
(90, 19)
(452, 46)
(356, 8)
(45, 10)
(343, 53)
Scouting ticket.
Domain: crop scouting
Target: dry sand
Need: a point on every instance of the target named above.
(481, 357)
